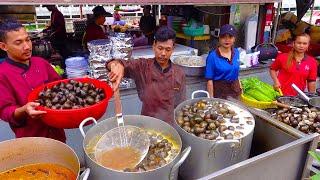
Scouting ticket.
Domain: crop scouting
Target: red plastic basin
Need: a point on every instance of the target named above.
(71, 118)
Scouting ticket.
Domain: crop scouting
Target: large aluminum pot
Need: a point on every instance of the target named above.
(191, 69)
(98, 172)
(209, 156)
(30, 150)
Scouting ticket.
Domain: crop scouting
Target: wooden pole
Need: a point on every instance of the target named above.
(81, 13)
(274, 32)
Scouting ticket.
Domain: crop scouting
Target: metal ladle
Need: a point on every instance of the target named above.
(314, 101)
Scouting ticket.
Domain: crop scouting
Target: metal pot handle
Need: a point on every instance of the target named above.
(232, 142)
(183, 157)
(199, 91)
(84, 122)
(85, 174)
(305, 97)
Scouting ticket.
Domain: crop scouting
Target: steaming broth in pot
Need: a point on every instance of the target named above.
(162, 150)
(119, 158)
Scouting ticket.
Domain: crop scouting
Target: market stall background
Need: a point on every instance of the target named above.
(132, 105)
(169, 2)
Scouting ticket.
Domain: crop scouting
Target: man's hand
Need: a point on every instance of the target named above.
(116, 73)
(30, 109)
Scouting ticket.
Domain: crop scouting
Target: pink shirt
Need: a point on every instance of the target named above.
(17, 80)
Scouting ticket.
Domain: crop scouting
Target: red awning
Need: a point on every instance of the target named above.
(140, 2)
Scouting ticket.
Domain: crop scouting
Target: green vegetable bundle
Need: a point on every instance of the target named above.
(253, 88)
(58, 69)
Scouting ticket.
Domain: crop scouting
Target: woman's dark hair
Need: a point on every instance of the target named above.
(165, 33)
(8, 25)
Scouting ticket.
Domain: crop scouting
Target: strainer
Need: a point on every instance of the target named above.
(123, 136)
(137, 139)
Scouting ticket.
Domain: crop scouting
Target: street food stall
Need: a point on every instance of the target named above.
(232, 139)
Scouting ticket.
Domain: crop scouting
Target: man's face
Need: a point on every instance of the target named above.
(301, 44)
(163, 51)
(18, 45)
(227, 40)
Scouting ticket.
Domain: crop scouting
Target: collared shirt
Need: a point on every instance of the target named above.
(221, 68)
(160, 90)
(94, 32)
(17, 80)
(297, 73)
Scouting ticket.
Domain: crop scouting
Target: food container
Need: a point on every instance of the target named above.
(192, 65)
(32, 150)
(208, 156)
(165, 172)
(71, 118)
(100, 54)
(122, 46)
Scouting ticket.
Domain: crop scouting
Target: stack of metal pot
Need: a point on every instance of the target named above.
(100, 53)
(165, 172)
(218, 131)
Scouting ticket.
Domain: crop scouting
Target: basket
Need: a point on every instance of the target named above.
(189, 31)
(257, 104)
(71, 118)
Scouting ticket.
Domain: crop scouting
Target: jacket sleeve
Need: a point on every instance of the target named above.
(8, 103)
(180, 95)
(183, 89)
(134, 68)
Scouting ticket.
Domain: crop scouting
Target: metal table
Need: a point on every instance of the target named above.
(278, 152)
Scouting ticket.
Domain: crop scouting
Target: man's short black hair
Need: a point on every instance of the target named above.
(165, 33)
(7, 26)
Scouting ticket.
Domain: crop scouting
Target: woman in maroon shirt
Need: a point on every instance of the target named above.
(95, 29)
(20, 73)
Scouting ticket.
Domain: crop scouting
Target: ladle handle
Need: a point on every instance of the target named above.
(85, 174)
(304, 96)
(183, 157)
(118, 107)
(84, 122)
(199, 91)
(280, 104)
